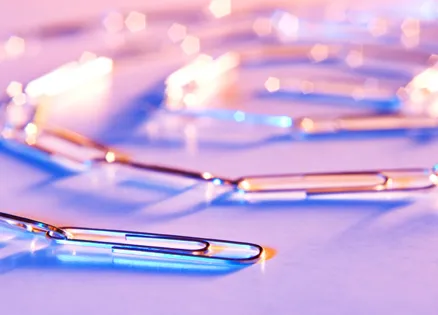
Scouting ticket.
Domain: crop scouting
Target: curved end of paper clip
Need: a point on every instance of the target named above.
(151, 246)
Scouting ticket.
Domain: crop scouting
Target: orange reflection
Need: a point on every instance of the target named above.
(354, 58)
(191, 45)
(135, 21)
(14, 46)
(207, 175)
(307, 124)
(82, 83)
(220, 8)
(14, 88)
(177, 32)
(268, 253)
(244, 185)
(358, 93)
(262, 26)
(410, 27)
(19, 99)
(378, 27)
(110, 157)
(422, 93)
(114, 22)
(319, 52)
(87, 56)
(307, 87)
(272, 84)
(70, 76)
(31, 131)
(193, 85)
(410, 32)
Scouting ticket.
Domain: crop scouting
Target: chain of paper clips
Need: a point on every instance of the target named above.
(22, 129)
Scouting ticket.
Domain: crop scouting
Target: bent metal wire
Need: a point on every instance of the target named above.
(382, 184)
(79, 153)
(405, 107)
(142, 245)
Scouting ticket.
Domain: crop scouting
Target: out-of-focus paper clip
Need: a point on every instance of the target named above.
(375, 185)
(350, 66)
(418, 112)
(22, 115)
(319, 71)
(206, 87)
(143, 245)
(311, 126)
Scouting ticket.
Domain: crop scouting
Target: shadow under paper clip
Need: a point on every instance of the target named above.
(18, 252)
(63, 258)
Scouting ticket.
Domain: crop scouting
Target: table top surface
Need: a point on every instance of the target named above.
(328, 257)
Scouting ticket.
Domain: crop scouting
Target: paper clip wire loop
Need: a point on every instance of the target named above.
(308, 184)
(342, 183)
(412, 72)
(185, 247)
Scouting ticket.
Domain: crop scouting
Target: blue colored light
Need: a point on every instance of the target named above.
(239, 116)
(284, 122)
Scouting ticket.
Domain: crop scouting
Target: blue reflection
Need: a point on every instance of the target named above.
(382, 105)
(238, 198)
(35, 157)
(239, 116)
(147, 184)
(57, 257)
(417, 135)
(146, 264)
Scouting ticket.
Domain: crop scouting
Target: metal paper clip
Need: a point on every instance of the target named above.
(342, 185)
(379, 184)
(142, 245)
(355, 65)
(395, 184)
(309, 126)
(418, 112)
(409, 98)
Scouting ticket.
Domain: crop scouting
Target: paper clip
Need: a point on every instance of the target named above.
(196, 87)
(310, 126)
(376, 185)
(392, 184)
(406, 103)
(418, 112)
(79, 153)
(142, 245)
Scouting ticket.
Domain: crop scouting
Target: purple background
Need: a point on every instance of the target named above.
(333, 258)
